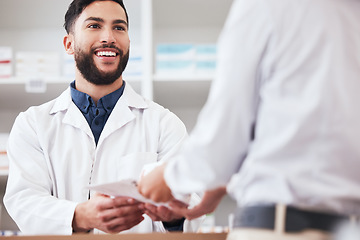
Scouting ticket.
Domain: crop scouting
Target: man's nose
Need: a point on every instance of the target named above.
(107, 36)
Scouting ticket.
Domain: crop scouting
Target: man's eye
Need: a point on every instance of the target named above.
(94, 26)
(119, 28)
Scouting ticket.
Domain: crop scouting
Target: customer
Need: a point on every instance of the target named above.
(97, 131)
(281, 120)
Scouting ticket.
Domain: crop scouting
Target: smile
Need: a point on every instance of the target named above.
(106, 54)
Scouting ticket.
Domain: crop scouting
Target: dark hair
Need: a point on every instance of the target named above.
(78, 6)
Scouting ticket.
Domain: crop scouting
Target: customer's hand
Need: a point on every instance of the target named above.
(208, 204)
(110, 215)
(154, 187)
(161, 213)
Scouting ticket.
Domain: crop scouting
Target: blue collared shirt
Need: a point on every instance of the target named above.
(95, 114)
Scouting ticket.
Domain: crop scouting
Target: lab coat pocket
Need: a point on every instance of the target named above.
(130, 166)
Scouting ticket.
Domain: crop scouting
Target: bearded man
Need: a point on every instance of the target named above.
(97, 131)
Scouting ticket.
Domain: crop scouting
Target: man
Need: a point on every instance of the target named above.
(97, 131)
(281, 122)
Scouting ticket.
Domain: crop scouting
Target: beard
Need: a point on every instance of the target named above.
(86, 65)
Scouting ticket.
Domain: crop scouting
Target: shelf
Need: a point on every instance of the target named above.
(14, 97)
(181, 94)
(13, 89)
(23, 80)
(181, 91)
(3, 174)
(184, 78)
(54, 80)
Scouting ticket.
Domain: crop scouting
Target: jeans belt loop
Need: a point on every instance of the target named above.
(280, 217)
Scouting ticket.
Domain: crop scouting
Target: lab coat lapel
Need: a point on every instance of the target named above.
(73, 115)
(122, 112)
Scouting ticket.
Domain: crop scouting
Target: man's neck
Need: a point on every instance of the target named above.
(96, 91)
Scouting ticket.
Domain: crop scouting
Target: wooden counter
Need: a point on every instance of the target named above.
(151, 236)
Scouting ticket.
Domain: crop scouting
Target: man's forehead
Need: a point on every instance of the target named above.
(96, 10)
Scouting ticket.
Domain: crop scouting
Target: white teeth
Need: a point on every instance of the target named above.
(106, 54)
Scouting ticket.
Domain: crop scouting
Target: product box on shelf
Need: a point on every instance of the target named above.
(134, 67)
(5, 62)
(37, 64)
(4, 163)
(186, 59)
(68, 66)
(205, 59)
(176, 59)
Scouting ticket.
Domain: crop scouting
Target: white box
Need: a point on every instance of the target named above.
(3, 141)
(5, 62)
(176, 59)
(69, 66)
(206, 59)
(134, 67)
(4, 162)
(37, 64)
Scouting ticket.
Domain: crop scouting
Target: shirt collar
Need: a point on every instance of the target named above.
(83, 101)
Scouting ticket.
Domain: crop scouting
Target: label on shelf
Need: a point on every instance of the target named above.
(5, 62)
(35, 85)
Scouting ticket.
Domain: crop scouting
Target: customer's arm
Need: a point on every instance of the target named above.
(171, 137)
(208, 204)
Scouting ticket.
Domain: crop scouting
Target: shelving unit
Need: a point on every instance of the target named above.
(37, 25)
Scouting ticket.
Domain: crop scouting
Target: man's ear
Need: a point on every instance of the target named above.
(69, 44)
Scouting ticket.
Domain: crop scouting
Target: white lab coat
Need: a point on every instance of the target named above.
(53, 158)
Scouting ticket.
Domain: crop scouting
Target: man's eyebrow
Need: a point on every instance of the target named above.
(97, 19)
(117, 21)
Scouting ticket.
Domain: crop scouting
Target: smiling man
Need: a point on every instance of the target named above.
(97, 131)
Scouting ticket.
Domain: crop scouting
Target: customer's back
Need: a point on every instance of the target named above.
(305, 150)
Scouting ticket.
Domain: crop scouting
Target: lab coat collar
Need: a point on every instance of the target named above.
(131, 98)
(121, 114)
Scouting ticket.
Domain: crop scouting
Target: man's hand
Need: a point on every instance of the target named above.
(208, 204)
(110, 215)
(154, 187)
